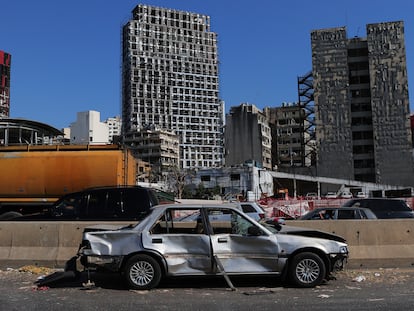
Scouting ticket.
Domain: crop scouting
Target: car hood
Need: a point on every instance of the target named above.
(312, 233)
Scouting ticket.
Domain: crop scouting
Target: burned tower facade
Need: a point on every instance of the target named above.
(170, 81)
(362, 113)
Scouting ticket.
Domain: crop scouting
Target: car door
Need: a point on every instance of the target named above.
(134, 204)
(180, 236)
(240, 245)
(97, 207)
(345, 213)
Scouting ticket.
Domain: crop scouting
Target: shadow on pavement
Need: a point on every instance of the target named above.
(115, 281)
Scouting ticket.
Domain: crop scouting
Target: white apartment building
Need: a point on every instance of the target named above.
(170, 80)
(114, 127)
(88, 129)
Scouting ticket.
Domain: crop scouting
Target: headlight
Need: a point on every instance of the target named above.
(343, 250)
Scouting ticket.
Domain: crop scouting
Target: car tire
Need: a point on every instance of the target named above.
(142, 272)
(307, 270)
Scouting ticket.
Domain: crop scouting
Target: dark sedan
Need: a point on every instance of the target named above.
(383, 208)
(339, 213)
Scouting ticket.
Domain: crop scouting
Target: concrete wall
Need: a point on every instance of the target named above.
(373, 243)
(48, 244)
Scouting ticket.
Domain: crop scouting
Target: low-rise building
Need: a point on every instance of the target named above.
(88, 129)
(242, 182)
(158, 147)
(114, 127)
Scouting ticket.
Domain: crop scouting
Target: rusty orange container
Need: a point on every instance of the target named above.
(48, 172)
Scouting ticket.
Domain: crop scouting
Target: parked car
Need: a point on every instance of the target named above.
(383, 208)
(339, 213)
(331, 195)
(361, 194)
(166, 244)
(346, 195)
(311, 196)
(101, 203)
(252, 209)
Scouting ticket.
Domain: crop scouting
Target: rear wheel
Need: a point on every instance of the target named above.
(142, 272)
(307, 270)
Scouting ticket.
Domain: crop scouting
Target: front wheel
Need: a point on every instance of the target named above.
(142, 272)
(307, 270)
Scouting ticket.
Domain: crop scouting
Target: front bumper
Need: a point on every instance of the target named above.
(338, 262)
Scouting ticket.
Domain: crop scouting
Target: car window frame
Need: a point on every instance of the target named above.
(166, 217)
(234, 213)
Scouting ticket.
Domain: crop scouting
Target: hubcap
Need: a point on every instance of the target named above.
(307, 271)
(141, 273)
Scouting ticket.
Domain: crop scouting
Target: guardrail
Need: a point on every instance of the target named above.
(384, 243)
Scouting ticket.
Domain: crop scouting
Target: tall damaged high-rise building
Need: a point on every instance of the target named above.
(5, 63)
(170, 82)
(362, 109)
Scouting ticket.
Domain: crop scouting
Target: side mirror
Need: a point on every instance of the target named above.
(253, 230)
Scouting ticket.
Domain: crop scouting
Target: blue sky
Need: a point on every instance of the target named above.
(66, 54)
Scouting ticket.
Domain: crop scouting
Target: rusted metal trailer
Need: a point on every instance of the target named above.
(33, 177)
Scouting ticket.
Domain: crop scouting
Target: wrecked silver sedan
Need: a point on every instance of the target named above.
(190, 240)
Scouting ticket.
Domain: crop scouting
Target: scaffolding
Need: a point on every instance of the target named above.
(306, 103)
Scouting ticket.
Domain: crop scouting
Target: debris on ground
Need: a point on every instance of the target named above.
(40, 288)
(70, 273)
(324, 296)
(359, 278)
(88, 285)
(393, 275)
(260, 291)
(36, 269)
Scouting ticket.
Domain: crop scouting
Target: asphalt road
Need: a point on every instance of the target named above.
(382, 289)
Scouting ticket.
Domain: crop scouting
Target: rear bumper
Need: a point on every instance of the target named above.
(91, 260)
(111, 263)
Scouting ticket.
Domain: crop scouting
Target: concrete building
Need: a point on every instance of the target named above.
(289, 137)
(170, 80)
(114, 127)
(157, 147)
(246, 181)
(362, 111)
(248, 137)
(22, 132)
(5, 65)
(88, 129)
